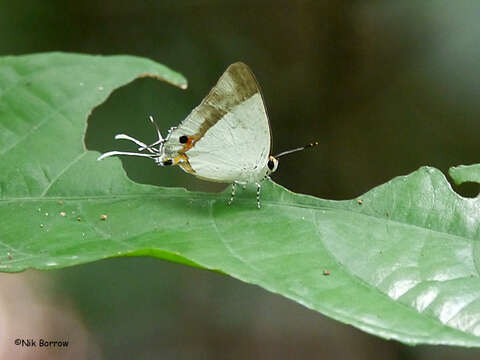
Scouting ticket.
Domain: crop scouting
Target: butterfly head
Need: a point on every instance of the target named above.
(161, 161)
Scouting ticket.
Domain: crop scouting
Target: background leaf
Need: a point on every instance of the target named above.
(401, 259)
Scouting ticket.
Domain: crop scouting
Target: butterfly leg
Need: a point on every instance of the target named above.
(259, 187)
(234, 185)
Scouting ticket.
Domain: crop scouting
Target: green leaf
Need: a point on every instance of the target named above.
(399, 262)
(465, 173)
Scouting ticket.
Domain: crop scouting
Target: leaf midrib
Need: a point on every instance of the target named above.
(213, 196)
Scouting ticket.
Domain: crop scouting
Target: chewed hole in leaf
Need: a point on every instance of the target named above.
(127, 111)
(467, 189)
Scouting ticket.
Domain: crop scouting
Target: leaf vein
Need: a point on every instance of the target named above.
(61, 172)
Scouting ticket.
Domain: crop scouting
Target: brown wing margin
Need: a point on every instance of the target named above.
(236, 85)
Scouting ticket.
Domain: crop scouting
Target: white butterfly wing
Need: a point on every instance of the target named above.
(236, 147)
(230, 130)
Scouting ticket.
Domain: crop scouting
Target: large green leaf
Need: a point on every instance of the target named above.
(401, 262)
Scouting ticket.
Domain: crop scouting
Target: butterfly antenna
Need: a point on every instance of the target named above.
(312, 144)
(114, 153)
(142, 145)
(160, 140)
(154, 153)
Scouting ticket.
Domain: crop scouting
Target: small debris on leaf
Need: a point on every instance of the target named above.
(326, 272)
(360, 201)
(60, 202)
(63, 213)
(79, 218)
(103, 217)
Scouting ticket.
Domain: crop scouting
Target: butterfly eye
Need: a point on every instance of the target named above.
(183, 139)
(168, 162)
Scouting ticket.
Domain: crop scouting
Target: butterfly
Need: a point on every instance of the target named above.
(225, 139)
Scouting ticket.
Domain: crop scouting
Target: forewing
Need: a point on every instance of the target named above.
(235, 86)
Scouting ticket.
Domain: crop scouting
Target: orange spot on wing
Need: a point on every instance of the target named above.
(189, 144)
(179, 159)
(182, 161)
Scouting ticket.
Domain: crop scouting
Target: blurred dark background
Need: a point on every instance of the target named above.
(384, 86)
